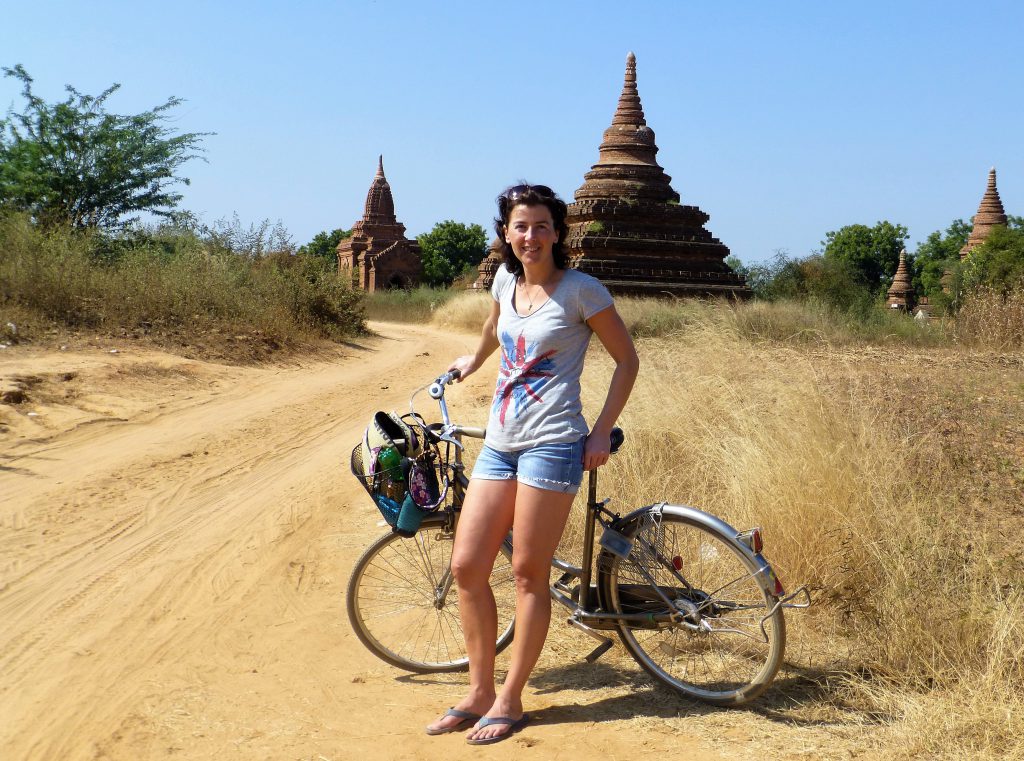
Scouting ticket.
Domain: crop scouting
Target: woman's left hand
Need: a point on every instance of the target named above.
(596, 450)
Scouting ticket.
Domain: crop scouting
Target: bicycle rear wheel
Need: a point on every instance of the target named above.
(403, 603)
(709, 644)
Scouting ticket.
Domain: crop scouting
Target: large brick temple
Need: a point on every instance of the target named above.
(378, 256)
(627, 226)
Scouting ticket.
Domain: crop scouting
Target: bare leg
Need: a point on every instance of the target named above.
(540, 517)
(485, 521)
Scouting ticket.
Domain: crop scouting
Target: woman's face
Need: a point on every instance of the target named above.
(531, 233)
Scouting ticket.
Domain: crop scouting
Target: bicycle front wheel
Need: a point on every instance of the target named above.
(716, 642)
(403, 603)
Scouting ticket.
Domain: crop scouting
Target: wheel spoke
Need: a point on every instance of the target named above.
(394, 605)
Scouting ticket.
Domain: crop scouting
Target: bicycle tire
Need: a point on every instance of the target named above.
(724, 661)
(400, 610)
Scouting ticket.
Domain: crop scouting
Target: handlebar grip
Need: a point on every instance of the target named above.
(449, 377)
(617, 437)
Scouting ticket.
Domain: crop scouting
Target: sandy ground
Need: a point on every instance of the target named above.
(175, 537)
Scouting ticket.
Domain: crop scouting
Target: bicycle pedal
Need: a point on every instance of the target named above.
(561, 586)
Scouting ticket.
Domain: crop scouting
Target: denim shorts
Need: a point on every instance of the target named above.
(555, 467)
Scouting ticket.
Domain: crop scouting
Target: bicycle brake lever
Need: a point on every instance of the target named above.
(446, 435)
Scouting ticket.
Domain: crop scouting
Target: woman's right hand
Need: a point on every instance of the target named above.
(466, 365)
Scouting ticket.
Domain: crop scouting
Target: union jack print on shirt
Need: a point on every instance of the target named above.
(522, 376)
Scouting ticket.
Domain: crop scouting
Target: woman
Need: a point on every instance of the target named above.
(537, 445)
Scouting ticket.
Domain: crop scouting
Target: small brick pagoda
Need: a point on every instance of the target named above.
(901, 294)
(378, 256)
(627, 226)
(489, 266)
(990, 214)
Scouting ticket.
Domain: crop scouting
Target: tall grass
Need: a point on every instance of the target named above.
(416, 305)
(917, 608)
(788, 322)
(992, 318)
(810, 322)
(169, 280)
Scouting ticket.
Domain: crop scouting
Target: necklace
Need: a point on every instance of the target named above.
(529, 298)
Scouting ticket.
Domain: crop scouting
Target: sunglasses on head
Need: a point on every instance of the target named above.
(515, 192)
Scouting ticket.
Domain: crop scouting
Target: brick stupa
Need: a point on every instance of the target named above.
(378, 256)
(990, 214)
(627, 226)
(901, 293)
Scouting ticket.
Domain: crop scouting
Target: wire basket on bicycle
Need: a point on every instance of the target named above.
(401, 466)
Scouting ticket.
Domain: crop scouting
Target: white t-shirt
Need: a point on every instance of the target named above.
(537, 396)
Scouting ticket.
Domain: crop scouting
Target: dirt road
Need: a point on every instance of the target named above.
(175, 537)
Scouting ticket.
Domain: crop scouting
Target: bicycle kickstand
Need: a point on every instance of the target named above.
(602, 648)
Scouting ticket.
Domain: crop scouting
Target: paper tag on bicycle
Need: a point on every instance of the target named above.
(616, 543)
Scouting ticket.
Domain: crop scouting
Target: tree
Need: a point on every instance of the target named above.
(74, 162)
(325, 244)
(761, 277)
(873, 253)
(449, 250)
(937, 255)
(998, 262)
(831, 282)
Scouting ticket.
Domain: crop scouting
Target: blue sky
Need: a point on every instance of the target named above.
(781, 120)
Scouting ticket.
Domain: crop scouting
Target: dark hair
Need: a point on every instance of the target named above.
(525, 194)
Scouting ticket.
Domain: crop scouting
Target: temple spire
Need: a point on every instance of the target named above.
(990, 214)
(629, 111)
(380, 204)
(626, 165)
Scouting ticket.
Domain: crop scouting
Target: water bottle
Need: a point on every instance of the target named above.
(390, 462)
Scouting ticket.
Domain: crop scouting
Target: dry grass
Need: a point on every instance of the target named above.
(788, 322)
(992, 319)
(466, 312)
(417, 305)
(880, 485)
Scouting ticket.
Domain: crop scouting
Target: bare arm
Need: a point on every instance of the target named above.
(610, 329)
(470, 363)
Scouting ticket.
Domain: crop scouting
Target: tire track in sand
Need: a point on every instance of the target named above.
(178, 529)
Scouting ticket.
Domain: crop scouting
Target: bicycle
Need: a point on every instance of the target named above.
(692, 600)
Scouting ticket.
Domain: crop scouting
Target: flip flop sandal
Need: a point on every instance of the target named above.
(465, 717)
(514, 725)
